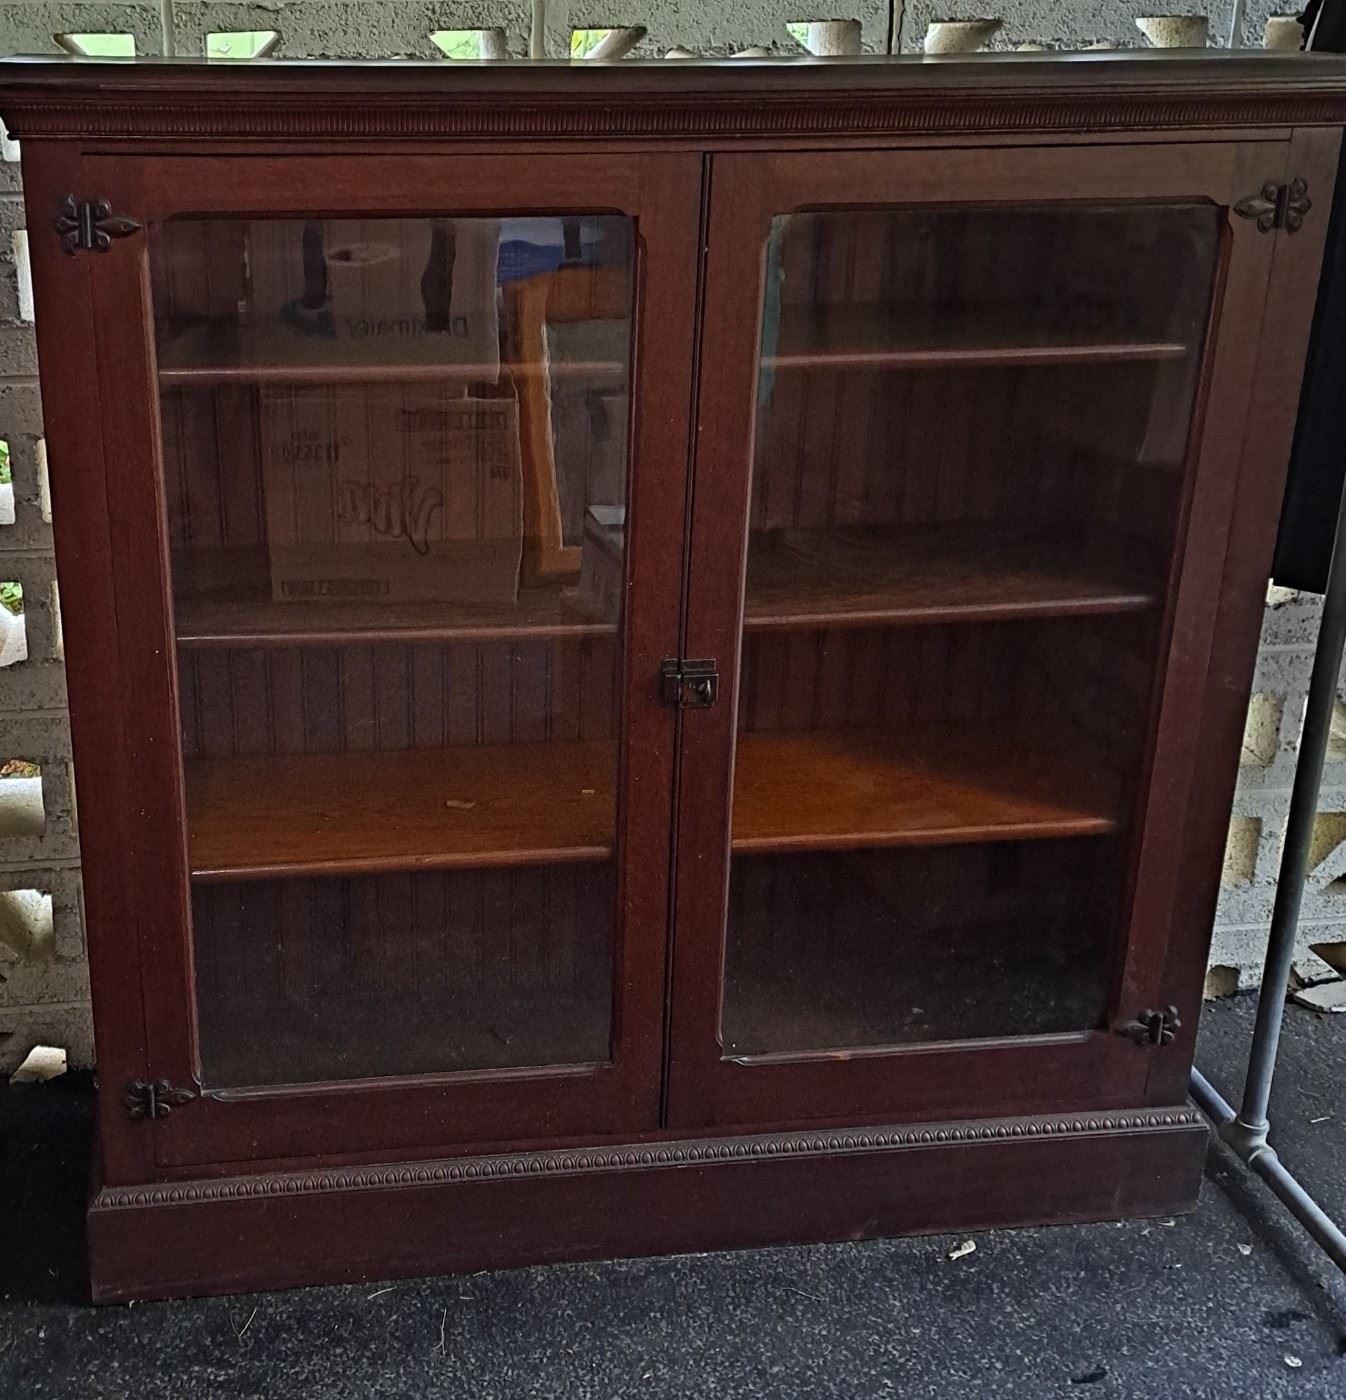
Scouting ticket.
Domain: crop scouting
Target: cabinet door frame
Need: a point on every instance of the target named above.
(986, 1077)
(114, 374)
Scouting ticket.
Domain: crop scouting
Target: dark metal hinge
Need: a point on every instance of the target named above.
(1153, 1027)
(156, 1099)
(689, 685)
(1277, 206)
(89, 225)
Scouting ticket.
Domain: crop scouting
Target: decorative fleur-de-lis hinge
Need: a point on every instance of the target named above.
(1153, 1027)
(1277, 206)
(154, 1099)
(89, 224)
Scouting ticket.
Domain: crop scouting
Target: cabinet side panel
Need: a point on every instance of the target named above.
(1262, 465)
(69, 350)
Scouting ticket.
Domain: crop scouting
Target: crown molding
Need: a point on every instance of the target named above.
(178, 101)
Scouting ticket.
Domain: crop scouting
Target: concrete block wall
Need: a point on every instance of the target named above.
(43, 973)
(44, 992)
(1079, 22)
(1261, 803)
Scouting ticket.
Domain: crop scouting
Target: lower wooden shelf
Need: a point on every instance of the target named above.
(490, 806)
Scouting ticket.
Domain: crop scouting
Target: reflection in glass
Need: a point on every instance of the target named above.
(968, 467)
(395, 461)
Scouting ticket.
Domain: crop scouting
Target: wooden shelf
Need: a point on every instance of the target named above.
(923, 786)
(424, 809)
(255, 620)
(209, 354)
(444, 809)
(936, 574)
(796, 579)
(854, 337)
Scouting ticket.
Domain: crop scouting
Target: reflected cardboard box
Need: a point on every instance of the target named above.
(387, 493)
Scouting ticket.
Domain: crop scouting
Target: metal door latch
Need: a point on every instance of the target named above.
(689, 685)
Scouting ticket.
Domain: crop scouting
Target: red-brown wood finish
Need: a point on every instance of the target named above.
(420, 1172)
(1262, 458)
(253, 1232)
(707, 1084)
(83, 526)
(661, 193)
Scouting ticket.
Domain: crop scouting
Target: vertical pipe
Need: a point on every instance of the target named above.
(1298, 836)
(1236, 25)
(169, 27)
(537, 30)
(896, 14)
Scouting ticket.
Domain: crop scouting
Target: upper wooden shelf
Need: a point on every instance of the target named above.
(938, 574)
(210, 354)
(854, 337)
(255, 620)
(474, 807)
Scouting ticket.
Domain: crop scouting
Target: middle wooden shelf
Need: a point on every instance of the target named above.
(533, 804)
(845, 577)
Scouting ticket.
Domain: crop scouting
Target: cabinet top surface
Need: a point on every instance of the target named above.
(176, 99)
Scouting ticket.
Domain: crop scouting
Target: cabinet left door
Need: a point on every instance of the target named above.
(395, 462)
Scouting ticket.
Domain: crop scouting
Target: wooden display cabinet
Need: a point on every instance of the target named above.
(657, 653)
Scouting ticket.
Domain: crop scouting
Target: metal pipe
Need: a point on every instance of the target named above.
(1318, 711)
(1235, 40)
(1260, 1157)
(1246, 1131)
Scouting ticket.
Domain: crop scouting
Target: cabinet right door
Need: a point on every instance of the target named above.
(968, 438)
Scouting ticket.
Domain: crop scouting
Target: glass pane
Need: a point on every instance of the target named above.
(395, 458)
(968, 473)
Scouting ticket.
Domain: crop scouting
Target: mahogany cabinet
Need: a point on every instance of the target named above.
(657, 652)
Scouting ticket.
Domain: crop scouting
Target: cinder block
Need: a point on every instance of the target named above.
(28, 26)
(62, 884)
(29, 533)
(18, 352)
(1284, 666)
(44, 739)
(1082, 22)
(710, 26)
(1042, 21)
(11, 220)
(349, 28)
(37, 682)
(68, 1025)
(25, 985)
(9, 162)
(1255, 18)
(20, 409)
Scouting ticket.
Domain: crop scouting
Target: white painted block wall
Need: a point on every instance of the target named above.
(43, 972)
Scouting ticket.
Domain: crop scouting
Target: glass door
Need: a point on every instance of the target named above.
(409, 506)
(962, 439)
